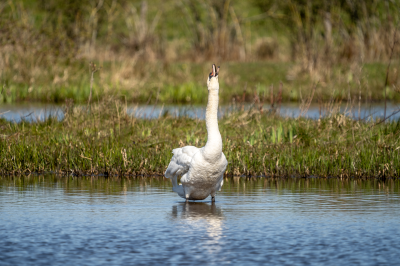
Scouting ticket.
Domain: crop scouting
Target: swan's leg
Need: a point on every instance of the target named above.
(212, 198)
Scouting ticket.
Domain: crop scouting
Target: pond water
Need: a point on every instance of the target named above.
(52, 220)
(37, 111)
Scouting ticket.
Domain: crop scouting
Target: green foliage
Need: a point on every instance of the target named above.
(184, 93)
(149, 47)
(105, 140)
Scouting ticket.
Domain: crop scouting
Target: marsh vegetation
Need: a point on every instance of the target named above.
(159, 51)
(105, 140)
(95, 57)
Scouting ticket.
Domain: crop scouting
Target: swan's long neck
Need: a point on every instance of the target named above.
(213, 148)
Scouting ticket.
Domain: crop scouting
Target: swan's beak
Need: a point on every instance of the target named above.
(214, 72)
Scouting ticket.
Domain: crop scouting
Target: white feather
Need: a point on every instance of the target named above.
(180, 162)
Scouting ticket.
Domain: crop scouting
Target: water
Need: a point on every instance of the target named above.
(36, 111)
(58, 221)
(364, 111)
(30, 111)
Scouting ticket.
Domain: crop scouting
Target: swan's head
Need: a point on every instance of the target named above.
(212, 80)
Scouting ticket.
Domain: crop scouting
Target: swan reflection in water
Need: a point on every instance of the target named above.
(201, 220)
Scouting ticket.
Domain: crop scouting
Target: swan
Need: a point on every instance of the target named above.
(202, 169)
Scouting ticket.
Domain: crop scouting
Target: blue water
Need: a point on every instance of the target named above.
(36, 111)
(64, 221)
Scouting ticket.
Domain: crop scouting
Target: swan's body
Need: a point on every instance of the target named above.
(202, 169)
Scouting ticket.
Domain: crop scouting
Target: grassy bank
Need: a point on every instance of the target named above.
(185, 83)
(105, 140)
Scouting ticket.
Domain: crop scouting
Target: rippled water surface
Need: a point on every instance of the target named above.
(38, 111)
(50, 220)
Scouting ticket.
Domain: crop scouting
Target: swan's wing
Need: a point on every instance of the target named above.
(180, 162)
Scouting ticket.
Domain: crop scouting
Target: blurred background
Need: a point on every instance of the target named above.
(161, 50)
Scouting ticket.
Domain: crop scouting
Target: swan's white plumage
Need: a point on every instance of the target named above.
(201, 169)
(180, 162)
(179, 165)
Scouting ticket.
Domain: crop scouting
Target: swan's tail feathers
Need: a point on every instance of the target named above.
(175, 187)
(179, 166)
(171, 170)
(174, 169)
(179, 190)
(220, 184)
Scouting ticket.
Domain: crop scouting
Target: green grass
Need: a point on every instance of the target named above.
(107, 141)
(185, 83)
(46, 48)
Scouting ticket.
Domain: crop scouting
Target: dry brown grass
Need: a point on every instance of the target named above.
(47, 59)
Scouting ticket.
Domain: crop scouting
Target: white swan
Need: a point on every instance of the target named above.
(202, 169)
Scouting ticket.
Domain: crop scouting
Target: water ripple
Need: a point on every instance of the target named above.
(45, 221)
